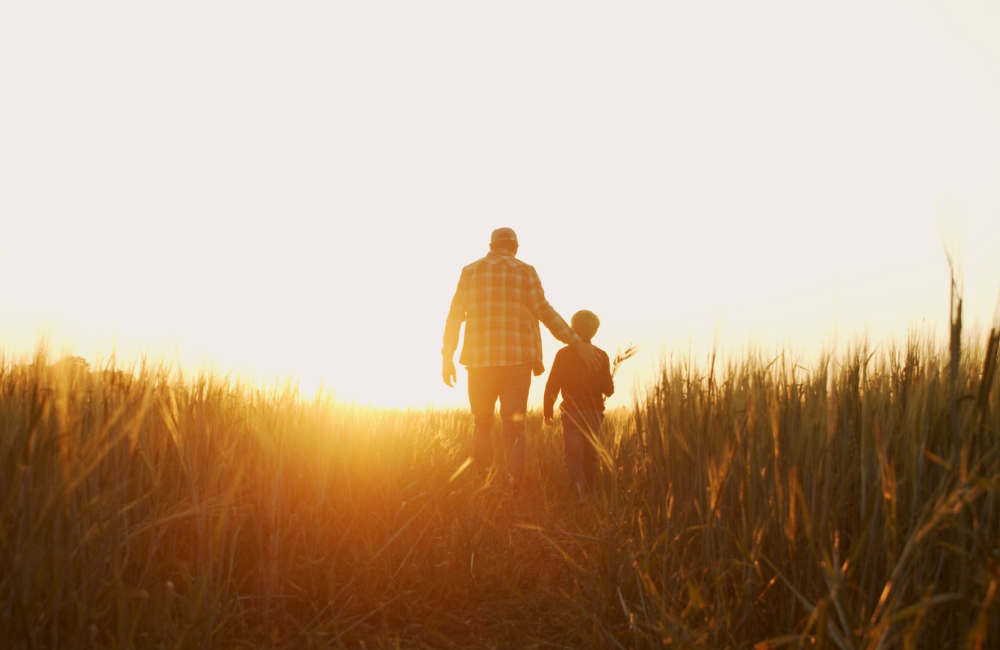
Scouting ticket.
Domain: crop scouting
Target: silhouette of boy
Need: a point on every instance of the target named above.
(583, 389)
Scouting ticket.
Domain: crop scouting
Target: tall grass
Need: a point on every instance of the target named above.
(852, 505)
(758, 503)
(153, 512)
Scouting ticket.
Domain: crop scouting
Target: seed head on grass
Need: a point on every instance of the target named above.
(621, 357)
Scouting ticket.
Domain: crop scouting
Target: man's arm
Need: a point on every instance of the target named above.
(452, 328)
(542, 310)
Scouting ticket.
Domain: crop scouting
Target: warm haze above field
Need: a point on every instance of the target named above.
(293, 191)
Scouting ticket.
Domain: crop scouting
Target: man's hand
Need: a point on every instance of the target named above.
(448, 373)
(591, 357)
(549, 421)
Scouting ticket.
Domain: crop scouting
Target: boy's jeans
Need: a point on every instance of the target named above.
(580, 455)
(510, 384)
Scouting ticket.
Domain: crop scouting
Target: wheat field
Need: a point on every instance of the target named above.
(747, 503)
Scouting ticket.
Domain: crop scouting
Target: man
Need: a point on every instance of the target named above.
(500, 298)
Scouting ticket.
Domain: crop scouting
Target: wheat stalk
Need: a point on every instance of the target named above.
(621, 357)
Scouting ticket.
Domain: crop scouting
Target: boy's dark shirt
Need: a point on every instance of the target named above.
(583, 389)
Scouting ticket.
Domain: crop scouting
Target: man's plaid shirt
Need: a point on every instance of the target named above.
(500, 298)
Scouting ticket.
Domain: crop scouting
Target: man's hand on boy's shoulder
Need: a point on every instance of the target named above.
(590, 355)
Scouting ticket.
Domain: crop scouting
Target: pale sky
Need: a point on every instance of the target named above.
(293, 188)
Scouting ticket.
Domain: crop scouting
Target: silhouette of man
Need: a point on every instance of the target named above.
(500, 298)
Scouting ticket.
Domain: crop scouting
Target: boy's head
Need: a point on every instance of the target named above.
(585, 324)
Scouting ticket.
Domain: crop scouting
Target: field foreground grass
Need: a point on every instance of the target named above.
(746, 504)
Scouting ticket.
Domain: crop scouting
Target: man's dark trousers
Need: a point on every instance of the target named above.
(510, 385)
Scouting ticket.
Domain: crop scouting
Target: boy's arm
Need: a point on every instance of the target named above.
(607, 381)
(552, 387)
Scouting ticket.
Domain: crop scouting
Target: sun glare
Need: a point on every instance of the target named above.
(304, 209)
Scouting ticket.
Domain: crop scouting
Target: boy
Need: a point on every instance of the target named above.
(584, 390)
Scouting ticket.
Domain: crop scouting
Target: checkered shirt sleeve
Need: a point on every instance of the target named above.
(501, 301)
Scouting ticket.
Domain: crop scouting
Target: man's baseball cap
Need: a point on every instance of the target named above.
(503, 235)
